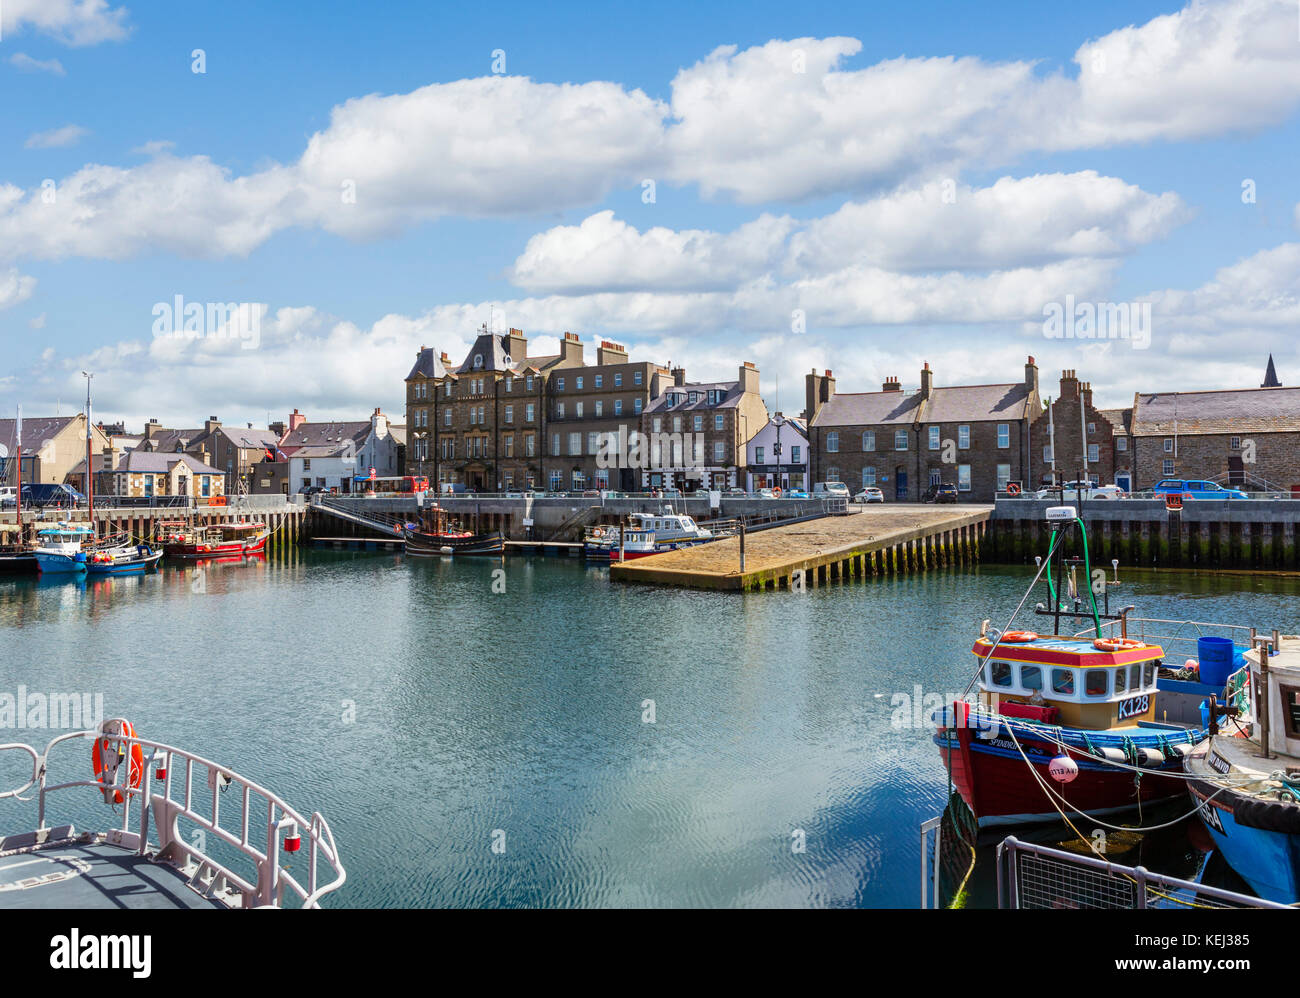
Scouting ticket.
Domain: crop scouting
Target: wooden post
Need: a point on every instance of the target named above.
(620, 543)
(742, 548)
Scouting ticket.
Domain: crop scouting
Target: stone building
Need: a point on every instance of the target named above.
(52, 447)
(1076, 441)
(976, 437)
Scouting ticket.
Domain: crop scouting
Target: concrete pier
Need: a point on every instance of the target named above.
(877, 540)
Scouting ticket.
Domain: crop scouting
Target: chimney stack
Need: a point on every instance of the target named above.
(749, 378)
(891, 384)
(679, 376)
(1031, 376)
(571, 350)
(611, 353)
(516, 345)
(296, 419)
(927, 381)
(818, 389)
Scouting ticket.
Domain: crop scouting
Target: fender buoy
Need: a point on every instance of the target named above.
(1018, 637)
(106, 756)
(1013, 489)
(1117, 644)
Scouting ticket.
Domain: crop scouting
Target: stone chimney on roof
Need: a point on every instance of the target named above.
(151, 428)
(296, 419)
(611, 353)
(927, 381)
(818, 389)
(210, 424)
(679, 376)
(277, 428)
(516, 345)
(749, 378)
(1031, 375)
(891, 384)
(1069, 384)
(571, 350)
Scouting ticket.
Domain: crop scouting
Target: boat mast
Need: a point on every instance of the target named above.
(18, 495)
(90, 477)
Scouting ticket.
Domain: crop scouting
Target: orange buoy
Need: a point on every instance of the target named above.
(107, 754)
(1117, 644)
(1018, 637)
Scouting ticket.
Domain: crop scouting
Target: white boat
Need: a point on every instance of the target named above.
(676, 529)
(61, 548)
(251, 850)
(606, 544)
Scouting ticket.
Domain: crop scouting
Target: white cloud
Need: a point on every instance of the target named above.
(73, 22)
(21, 60)
(15, 287)
(607, 254)
(56, 138)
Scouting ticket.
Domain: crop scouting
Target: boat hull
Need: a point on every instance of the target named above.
(233, 549)
(433, 545)
(996, 783)
(60, 564)
(135, 566)
(1266, 858)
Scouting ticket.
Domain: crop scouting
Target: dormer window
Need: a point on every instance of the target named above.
(478, 361)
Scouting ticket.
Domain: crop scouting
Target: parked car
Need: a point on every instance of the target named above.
(46, 495)
(831, 490)
(795, 494)
(766, 494)
(944, 492)
(1188, 489)
(870, 494)
(312, 490)
(701, 493)
(736, 493)
(1086, 490)
(8, 497)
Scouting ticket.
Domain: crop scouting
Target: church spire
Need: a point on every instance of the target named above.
(1270, 376)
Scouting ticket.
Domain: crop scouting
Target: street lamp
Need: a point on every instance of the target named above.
(90, 477)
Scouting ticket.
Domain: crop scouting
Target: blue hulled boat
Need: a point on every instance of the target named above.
(61, 549)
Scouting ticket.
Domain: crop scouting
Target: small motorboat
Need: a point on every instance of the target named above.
(436, 536)
(601, 544)
(61, 549)
(1245, 778)
(123, 560)
(219, 540)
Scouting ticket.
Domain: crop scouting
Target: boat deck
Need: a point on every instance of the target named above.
(79, 873)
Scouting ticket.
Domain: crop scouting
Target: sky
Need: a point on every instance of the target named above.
(858, 187)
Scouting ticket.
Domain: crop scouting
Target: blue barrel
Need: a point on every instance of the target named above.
(1215, 658)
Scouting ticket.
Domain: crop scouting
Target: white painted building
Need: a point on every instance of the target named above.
(788, 467)
(332, 454)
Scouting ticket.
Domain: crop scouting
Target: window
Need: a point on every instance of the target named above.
(832, 474)
(1121, 443)
(559, 384)
(869, 475)
(1121, 684)
(478, 361)
(869, 440)
(1004, 476)
(699, 424)
(794, 454)
(529, 445)
(1135, 677)
(528, 412)
(718, 421)
(1234, 443)
(1004, 434)
(636, 406)
(593, 442)
(963, 478)
(1167, 467)
(577, 409)
(446, 417)
(636, 377)
(999, 673)
(1094, 454)
(579, 380)
(446, 389)
(510, 383)
(555, 444)
(963, 438)
(832, 442)
(1169, 445)
(306, 464)
(528, 383)
(693, 397)
(1063, 682)
(559, 410)
(600, 408)
(618, 381)
(677, 424)
(934, 438)
(719, 452)
(900, 440)
(657, 424)
(1096, 683)
(1092, 428)
(758, 455)
(618, 407)
(510, 446)
(1031, 677)
(510, 414)
(1148, 675)
(575, 443)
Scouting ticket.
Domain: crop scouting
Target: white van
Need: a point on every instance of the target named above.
(830, 490)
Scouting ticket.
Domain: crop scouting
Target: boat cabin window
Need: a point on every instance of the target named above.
(1134, 677)
(1031, 677)
(1149, 674)
(1096, 683)
(1063, 681)
(1000, 674)
(1121, 681)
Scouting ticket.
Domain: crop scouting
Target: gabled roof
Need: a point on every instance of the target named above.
(869, 408)
(427, 364)
(324, 439)
(976, 403)
(248, 438)
(1121, 419)
(1238, 410)
(35, 430)
(154, 463)
(171, 441)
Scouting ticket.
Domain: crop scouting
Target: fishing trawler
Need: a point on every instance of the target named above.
(1064, 725)
(61, 549)
(147, 855)
(1245, 778)
(436, 536)
(219, 540)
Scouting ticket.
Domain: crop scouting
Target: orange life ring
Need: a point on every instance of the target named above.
(777, 492)
(1117, 644)
(1013, 489)
(106, 756)
(1018, 637)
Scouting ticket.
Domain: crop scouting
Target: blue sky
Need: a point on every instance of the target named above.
(1098, 152)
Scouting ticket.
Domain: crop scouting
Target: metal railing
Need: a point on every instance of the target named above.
(1037, 876)
(1179, 632)
(273, 878)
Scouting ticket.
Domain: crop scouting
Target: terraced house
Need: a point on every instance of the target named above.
(502, 420)
(977, 437)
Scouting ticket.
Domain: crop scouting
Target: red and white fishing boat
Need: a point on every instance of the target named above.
(220, 540)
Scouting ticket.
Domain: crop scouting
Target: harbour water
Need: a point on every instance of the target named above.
(524, 733)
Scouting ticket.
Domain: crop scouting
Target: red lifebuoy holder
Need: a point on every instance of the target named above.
(107, 754)
(1117, 644)
(1018, 637)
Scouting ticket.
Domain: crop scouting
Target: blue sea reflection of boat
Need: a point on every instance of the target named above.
(60, 549)
(1245, 778)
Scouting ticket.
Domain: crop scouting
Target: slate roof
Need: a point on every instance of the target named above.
(153, 463)
(1239, 410)
(251, 438)
(730, 400)
(956, 404)
(170, 441)
(1121, 419)
(869, 409)
(492, 348)
(324, 439)
(35, 430)
(427, 363)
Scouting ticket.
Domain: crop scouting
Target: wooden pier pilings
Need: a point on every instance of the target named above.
(890, 540)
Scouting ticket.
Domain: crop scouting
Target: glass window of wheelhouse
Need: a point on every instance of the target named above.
(1031, 677)
(1096, 683)
(1063, 681)
(999, 674)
